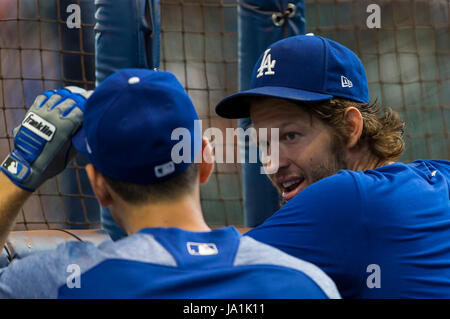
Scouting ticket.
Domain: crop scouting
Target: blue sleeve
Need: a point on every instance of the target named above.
(324, 225)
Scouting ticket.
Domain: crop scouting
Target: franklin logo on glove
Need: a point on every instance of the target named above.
(39, 126)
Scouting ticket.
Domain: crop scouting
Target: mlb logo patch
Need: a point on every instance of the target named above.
(202, 249)
(164, 169)
(11, 165)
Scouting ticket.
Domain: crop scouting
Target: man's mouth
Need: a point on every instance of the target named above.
(292, 187)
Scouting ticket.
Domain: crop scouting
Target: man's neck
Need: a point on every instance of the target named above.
(185, 213)
(366, 160)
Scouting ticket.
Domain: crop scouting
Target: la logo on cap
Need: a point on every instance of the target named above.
(266, 63)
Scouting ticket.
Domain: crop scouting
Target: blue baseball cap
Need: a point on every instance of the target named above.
(302, 68)
(133, 121)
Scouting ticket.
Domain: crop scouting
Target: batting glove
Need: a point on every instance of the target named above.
(43, 142)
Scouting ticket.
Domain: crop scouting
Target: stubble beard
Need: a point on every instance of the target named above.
(330, 166)
(334, 163)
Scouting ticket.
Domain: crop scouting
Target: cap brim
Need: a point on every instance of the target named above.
(237, 105)
(79, 141)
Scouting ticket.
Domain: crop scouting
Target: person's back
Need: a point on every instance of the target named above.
(152, 186)
(407, 212)
(382, 233)
(168, 263)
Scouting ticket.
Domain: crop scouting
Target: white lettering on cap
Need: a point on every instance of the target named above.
(266, 64)
(346, 83)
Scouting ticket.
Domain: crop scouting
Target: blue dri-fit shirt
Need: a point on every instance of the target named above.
(166, 263)
(387, 228)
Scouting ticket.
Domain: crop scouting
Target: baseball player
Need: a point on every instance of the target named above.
(129, 132)
(379, 228)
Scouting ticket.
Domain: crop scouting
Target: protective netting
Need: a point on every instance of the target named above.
(199, 45)
(39, 52)
(407, 62)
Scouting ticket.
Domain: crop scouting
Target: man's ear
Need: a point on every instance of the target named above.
(99, 186)
(354, 123)
(207, 164)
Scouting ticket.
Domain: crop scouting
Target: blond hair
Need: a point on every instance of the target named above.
(382, 127)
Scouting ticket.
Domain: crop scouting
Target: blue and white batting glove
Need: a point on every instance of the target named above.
(43, 142)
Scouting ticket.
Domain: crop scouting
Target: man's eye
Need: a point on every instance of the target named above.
(290, 136)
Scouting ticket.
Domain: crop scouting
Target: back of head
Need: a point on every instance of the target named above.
(171, 189)
(128, 134)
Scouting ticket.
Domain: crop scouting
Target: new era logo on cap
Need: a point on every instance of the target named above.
(346, 83)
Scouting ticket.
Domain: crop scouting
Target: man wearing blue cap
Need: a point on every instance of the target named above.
(129, 133)
(378, 228)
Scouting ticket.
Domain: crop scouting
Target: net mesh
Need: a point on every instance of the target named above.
(199, 45)
(407, 64)
(37, 53)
